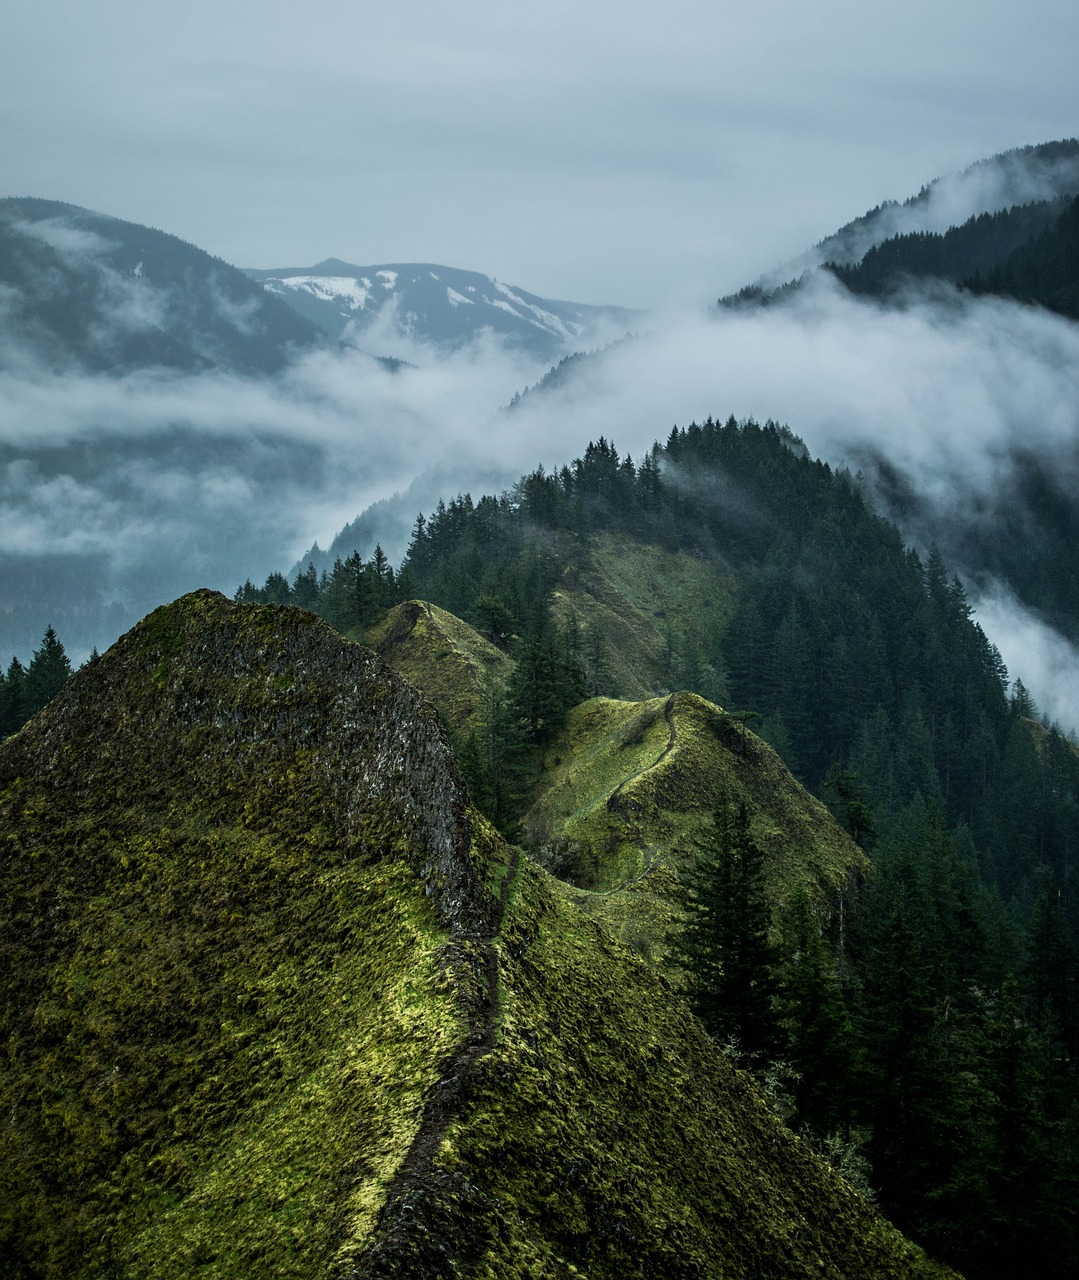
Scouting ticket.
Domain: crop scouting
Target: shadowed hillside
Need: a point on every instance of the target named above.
(277, 1002)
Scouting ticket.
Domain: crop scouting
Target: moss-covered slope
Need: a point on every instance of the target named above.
(277, 1004)
(445, 657)
(605, 1136)
(627, 796)
(234, 853)
(643, 609)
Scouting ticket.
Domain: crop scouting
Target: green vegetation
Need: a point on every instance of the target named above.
(724, 944)
(453, 664)
(277, 1003)
(624, 805)
(25, 690)
(224, 976)
(859, 662)
(607, 1134)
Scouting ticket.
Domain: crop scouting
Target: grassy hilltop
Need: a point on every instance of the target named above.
(279, 1003)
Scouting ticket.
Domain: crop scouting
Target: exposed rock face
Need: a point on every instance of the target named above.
(277, 1003)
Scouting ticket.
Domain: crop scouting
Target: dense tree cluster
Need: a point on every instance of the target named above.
(25, 690)
(943, 1026)
(987, 253)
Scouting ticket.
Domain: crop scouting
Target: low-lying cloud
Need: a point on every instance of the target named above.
(1046, 661)
(157, 484)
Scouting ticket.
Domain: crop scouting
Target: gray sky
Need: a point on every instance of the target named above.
(635, 153)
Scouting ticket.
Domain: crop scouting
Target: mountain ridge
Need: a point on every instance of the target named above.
(92, 291)
(397, 303)
(282, 1001)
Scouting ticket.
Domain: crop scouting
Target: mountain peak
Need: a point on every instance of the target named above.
(278, 1002)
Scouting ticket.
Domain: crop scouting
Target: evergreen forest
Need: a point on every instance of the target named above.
(936, 1040)
(928, 1043)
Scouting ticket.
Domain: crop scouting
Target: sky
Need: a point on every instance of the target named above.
(653, 155)
(632, 154)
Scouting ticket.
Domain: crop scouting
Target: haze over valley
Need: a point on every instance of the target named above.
(539, 641)
(167, 424)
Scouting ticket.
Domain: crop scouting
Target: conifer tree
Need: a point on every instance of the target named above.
(724, 945)
(46, 675)
(12, 697)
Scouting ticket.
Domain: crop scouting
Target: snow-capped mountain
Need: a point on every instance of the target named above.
(378, 306)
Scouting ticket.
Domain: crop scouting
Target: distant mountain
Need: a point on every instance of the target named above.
(426, 302)
(1042, 174)
(82, 290)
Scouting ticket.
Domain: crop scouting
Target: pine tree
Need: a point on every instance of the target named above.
(12, 698)
(820, 1035)
(724, 945)
(46, 675)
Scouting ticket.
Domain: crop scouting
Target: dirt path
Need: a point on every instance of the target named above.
(672, 738)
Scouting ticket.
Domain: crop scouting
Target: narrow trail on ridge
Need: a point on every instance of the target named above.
(445, 1102)
(612, 801)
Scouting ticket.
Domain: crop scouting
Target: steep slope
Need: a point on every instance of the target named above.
(429, 303)
(646, 613)
(1044, 270)
(235, 853)
(89, 291)
(277, 1004)
(445, 657)
(1045, 172)
(626, 799)
(977, 250)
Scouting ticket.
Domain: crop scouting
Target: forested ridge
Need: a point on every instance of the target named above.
(941, 1032)
(1027, 253)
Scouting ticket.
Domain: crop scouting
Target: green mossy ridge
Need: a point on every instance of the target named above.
(640, 600)
(635, 800)
(235, 857)
(606, 1136)
(452, 663)
(246, 927)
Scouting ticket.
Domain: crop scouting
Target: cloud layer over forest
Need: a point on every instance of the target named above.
(122, 492)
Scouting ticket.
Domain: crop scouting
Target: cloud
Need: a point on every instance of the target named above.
(1046, 661)
(167, 482)
(953, 394)
(161, 482)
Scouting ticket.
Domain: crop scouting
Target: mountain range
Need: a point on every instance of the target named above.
(280, 1001)
(87, 292)
(652, 871)
(379, 307)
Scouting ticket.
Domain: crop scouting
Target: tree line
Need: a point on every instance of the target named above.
(24, 691)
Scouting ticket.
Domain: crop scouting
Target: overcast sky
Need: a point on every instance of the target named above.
(623, 153)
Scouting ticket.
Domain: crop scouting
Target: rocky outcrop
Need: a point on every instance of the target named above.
(276, 1002)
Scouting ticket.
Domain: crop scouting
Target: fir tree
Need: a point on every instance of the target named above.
(46, 675)
(724, 945)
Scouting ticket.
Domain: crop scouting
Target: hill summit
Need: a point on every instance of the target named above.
(279, 1002)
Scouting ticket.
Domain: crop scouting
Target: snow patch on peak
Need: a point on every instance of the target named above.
(387, 278)
(455, 299)
(353, 293)
(503, 306)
